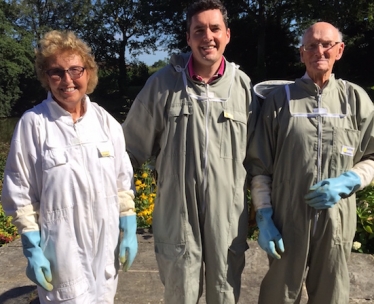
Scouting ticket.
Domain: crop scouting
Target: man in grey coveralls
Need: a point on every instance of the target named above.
(312, 150)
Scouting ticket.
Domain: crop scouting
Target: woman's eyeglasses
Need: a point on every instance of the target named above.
(57, 74)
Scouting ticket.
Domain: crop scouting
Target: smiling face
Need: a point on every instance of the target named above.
(319, 61)
(208, 37)
(67, 92)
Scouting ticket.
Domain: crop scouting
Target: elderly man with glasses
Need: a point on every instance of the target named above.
(312, 150)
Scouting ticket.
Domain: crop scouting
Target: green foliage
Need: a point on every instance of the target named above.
(41, 16)
(364, 238)
(4, 150)
(158, 65)
(137, 73)
(8, 232)
(108, 83)
(115, 27)
(15, 63)
(252, 226)
(145, 184)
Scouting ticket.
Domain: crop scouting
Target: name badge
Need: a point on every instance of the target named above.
(228, 115)
(349, 151)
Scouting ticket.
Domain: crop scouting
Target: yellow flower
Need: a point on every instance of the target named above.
(138, 182)
(143, 196)
(145, 175)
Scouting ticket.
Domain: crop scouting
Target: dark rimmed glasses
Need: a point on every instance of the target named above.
(74, 72)
(312, 47)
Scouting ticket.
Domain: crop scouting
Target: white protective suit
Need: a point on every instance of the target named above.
(71, 181)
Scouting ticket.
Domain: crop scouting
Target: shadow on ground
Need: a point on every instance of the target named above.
(25, 292)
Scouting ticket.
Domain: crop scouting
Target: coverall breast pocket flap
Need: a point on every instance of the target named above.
(180, 110)
(105, 149)
(53, 158)
(235, 116)
(345, 143)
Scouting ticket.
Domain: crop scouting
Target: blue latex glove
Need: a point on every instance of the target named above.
(129, 243)
(38, 268)
(328, 192)
(269, 238)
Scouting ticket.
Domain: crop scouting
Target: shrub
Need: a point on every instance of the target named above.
(364, 238)
(252, 225)
(8, 232)
(4, 149)
(145, 184)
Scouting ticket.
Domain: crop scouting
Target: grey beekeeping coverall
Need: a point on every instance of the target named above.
(306, 134)
(198, 134)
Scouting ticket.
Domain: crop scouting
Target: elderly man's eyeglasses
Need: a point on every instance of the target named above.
(74, 72)
(312, 47)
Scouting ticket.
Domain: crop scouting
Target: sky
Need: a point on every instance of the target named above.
(150, 59)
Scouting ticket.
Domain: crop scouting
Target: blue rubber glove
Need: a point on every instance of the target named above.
(38, 268)
(269, 238)
(328, 192)
(129, 243)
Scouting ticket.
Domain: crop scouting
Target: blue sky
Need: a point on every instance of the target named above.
(150, 59)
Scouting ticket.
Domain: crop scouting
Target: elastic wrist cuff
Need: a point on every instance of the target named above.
(261, 191)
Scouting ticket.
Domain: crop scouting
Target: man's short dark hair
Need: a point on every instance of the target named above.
(204, 5)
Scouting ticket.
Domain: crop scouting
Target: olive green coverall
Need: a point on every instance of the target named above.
(198, 135)
(306, 134)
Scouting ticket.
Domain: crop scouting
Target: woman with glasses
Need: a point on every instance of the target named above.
(68, 182)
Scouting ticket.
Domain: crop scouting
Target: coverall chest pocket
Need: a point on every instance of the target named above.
(56, 170)
(175, 140)
(345, 144)
(54, 158)
(234, 135)
(106, 168)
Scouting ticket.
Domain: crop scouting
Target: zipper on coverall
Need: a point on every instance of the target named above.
(89, 192)
(206, 155)
(319, 156)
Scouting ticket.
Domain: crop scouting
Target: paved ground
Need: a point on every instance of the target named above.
(141, 285)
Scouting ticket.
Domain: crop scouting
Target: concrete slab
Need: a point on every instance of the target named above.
(141, 284)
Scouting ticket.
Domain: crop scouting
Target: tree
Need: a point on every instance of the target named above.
(40, 16)
(15, 59)
(117, 25)
(160, 63)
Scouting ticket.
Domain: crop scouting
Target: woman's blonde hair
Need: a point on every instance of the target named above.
(56, 42)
